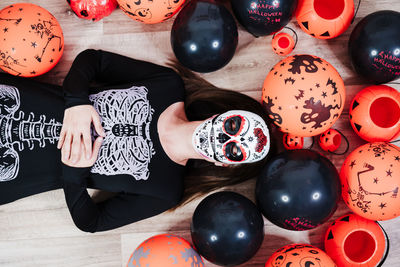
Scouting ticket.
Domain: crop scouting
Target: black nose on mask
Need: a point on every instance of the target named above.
(222, 138)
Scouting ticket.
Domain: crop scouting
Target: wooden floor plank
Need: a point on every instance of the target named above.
(38, 230)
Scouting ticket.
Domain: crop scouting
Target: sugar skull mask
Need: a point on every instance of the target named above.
(233, 137)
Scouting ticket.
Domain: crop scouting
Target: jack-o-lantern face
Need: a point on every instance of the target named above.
(150, 11)
(165, 250)
(301, 255)
(354, 241)
(330, 140)
(370, 178)
(292, 142)
(324, 19)
(375, 113)
(304, 95)
(31, 40)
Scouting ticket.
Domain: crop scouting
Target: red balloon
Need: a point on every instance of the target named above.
(92, 9)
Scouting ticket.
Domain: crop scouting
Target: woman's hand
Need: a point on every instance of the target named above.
(76, 131)
(82, 161)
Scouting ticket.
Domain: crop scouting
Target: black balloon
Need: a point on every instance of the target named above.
(374, 46)
(227, 228)
(204, 36)
(298, 190)
(263, 17)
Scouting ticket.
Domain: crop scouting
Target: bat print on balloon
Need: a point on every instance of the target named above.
(370, 181)
(303, 95)
(31, 40)
(18, 131)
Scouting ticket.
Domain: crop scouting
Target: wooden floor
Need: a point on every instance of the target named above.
(38, 230)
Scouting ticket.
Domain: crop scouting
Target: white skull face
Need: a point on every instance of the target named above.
(234, 137)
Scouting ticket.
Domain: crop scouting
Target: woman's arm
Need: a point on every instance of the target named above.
(106, 67)
(117, 211)
(95, 66)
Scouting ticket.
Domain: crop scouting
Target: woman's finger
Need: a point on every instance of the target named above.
(76, 148)
(62, 138)
(96, 148)
(87, 143)
(66, 148)
(97, 124)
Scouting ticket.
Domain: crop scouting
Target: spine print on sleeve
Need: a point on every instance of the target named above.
(127, 148)
(19, 132)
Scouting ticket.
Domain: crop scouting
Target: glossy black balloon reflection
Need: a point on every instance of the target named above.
(374, 46)
(298, 190)
(227, 228)
(263, 17)
(204, 36)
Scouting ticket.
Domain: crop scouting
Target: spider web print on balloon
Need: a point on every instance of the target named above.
(18, 132)
(126, 116)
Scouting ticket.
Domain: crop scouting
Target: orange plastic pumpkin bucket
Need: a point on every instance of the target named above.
(352, 241)
(375, 113)
(324, 19)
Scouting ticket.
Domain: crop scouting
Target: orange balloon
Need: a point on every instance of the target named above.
(299, 255)
(330, 140)
(352, 241)
(375, 113)
(283, 44)
(304, 95)
(165, 250)
(324, 19)
(31, 40)
(292, 142)
(150, 12)
(370, 178)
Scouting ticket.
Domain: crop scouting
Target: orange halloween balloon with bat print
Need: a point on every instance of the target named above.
(370, 178)
(150, 12)
(31, 40)
(304, 95)
(165, 250)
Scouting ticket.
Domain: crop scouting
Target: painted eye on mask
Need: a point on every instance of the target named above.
(232, 125)
(233, 152)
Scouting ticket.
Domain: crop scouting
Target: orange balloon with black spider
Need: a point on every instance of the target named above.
(370, 178)
(31, 40)
(303, 95)
(300, 255)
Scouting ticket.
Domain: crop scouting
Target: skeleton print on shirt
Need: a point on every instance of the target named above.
(127, 148)
(18, 132)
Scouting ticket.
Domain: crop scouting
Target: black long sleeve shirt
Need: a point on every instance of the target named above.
(129, 96)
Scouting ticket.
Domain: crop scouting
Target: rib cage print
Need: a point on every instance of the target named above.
(127, 148)
(18, 132)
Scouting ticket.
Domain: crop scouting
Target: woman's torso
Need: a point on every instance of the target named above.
(131, 158)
